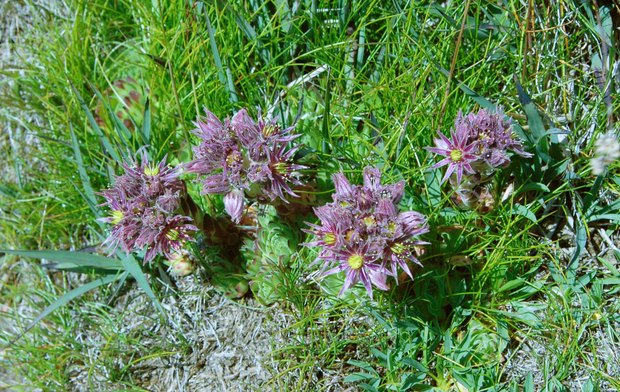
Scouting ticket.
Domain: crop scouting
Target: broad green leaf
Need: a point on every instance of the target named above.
(581, 238)
(362, 365)
(528, 385)
(415, 364)
(284, 13)
(513, 284)
(534, 186)
(525, 212)
(615, 280)
(534, 120)
(358, 376)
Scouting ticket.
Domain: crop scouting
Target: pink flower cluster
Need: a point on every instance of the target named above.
(363, 234)
(479, 145)
(143, 204)
(243, 158)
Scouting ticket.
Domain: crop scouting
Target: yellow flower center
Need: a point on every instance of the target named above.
(398, 249)
(369, 221)
(151, 170)
(232, 158)
(456, 155)
(355, 261)
(281, 168)
(329, 239)
(117, 217)
(172, 235)
(269, 129)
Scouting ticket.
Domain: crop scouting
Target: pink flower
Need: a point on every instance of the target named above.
(482, 137)
(359, 263)
(363, 234)
(245, 158)
(458, 153)
(143, 203)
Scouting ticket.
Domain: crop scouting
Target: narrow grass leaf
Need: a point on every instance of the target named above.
(77, 259)
(614, 271)
(121, 130)
(146, 123)
(326, 142)
(65, 299)
(89, 193)
(131, 265)
(91, 120)
(221, 74)
(479, 99)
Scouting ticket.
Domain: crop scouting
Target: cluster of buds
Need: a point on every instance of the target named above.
(242, 158)
(363, 234)
(143, 203)
(478, 146)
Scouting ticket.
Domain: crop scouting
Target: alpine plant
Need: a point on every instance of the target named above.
(363, 234)
(241, 158)
(143, 203)
(479, 144)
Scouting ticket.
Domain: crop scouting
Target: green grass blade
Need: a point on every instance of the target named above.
(534, 121)
(64, 299)
(131, 265)
(81, 259)
(91, 120)
(146, 124)
(327, 97)
(77, 259)
(89, 193)
(221, 73)
(121, 130)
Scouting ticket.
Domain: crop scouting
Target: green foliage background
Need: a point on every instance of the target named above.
(368, 82)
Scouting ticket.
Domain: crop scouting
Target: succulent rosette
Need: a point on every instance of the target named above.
(143, 203)
(242, 158)
(363, 234)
